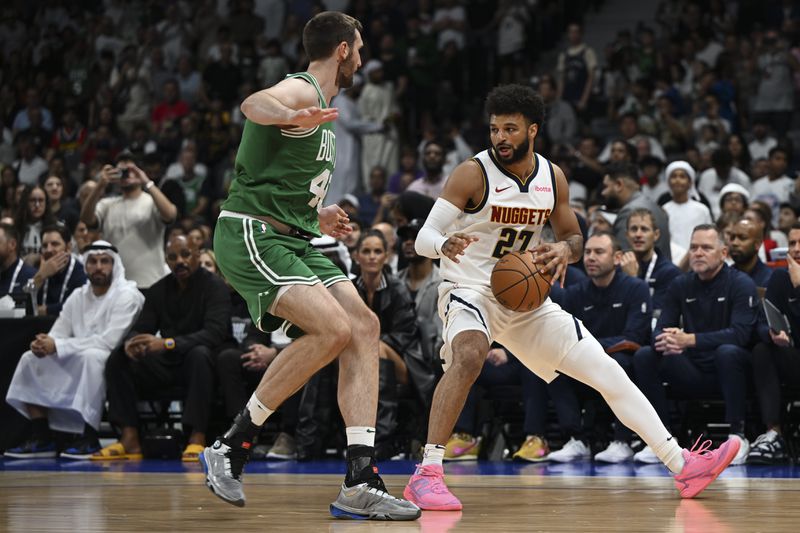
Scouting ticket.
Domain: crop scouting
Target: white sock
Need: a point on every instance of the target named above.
(434, 455)
(588, 363)
(671, 454)
(258, 411)
(362, 435)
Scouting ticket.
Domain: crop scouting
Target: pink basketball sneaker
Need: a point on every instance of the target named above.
(703, 466)
(426, 488)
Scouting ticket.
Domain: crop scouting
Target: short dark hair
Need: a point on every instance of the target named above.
(796, 225)
(780, 149)
(514, 98)
(10, 231)
(615, 247)
(323, 33)
(60, 229)
(620, 171)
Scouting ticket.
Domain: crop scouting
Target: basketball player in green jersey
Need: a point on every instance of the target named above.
(283, 166)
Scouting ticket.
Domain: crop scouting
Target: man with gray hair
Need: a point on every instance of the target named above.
(59, 383)
(702, 339)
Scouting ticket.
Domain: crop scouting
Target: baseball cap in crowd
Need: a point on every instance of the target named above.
(410, 230)
(350, 199)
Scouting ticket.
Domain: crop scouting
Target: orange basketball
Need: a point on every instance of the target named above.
(519, 283)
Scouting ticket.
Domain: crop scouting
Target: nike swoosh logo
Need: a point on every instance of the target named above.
(588, 308)
(792, 299)
(690, 300)
(498, 189)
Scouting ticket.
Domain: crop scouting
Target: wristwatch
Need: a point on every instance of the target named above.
(149, 185)
(169, 344)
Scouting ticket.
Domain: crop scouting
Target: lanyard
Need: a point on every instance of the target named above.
(63, 285)
(14, 276)
(649, 272)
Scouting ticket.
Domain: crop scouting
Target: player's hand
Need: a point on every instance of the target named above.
(456, 244)
(334, 221)
(780, 338)
(497, 357)
(49, 267)
(555, 257)
(629, 264)
(310, 117)
(794, 270)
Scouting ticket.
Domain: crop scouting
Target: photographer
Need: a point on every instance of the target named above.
(133, 222)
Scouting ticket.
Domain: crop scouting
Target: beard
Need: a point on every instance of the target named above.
(343, 79)
(98, 279)
(612, 203)
(432, 169)
(517, 153)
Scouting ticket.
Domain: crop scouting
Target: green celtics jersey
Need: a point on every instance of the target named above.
(284, 173)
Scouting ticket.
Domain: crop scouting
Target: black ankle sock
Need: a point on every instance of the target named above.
(242, 431)
(40, 429)
(361, 466)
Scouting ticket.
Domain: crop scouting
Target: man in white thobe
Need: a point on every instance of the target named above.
(59, 383)
(349, 128)
(377, 104)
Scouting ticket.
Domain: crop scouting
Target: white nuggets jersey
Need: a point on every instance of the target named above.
(509, 217)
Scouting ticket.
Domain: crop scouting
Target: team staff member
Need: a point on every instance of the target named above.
(775, 359)
(644, 260)
(717, 307)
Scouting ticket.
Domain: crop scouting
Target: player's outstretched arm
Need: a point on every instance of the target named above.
(292, 102)
(569, 246)
(463, 185)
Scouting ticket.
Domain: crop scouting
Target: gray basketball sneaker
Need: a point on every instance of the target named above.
(223, 465)
(370, 501)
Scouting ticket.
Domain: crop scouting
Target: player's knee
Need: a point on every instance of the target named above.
(469, 360)
(371, 325)
(337, 333)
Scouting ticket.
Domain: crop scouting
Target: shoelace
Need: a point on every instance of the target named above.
(704, 449)
(436, 485)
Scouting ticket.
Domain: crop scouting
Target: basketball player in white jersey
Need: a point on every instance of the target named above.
(492, 204)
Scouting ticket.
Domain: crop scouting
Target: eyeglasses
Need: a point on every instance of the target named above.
(186, 254)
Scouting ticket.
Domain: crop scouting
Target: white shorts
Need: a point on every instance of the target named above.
(540, 339)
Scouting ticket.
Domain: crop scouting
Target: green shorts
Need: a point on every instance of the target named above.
(261, 264)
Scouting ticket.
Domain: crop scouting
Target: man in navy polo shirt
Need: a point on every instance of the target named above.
(717, 308)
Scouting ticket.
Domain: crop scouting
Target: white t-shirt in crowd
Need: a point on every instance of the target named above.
(135, 227)
(683, 218)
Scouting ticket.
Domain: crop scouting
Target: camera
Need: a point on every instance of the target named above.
(123, 173)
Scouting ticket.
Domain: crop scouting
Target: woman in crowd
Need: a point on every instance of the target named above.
(63, 207)
(33, 213)
(400, 349)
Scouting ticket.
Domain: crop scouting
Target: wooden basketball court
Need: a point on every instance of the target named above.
(133, 501)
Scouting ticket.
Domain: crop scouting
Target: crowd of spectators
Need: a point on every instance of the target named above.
(119, 120)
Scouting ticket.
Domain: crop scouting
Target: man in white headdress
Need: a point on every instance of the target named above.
(59, 383)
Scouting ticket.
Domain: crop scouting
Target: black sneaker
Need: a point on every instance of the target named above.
(33, 449)
(768, 449)
(82, 448)
(224, 465)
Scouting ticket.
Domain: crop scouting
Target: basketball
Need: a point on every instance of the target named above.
(519, 283)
